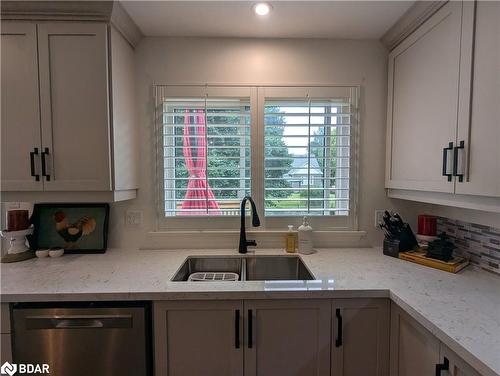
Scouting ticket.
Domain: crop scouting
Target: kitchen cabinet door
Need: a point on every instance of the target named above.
(414, 351)
(75, 106)
(455, 365)
(198, 338)
(423, 102)
(360, 337)
(20, 108)
(5, 348)
(481, 135)
(5, 334)
(287, 337)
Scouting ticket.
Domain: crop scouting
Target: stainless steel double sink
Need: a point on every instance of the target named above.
(249, 268)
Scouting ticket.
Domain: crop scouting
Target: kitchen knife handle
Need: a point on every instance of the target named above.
(445, 161)
(32, 164)
(445, 366)
(338, 340)
(44, 165)
(456, 149)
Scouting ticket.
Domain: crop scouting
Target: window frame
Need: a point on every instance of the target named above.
(257, 96)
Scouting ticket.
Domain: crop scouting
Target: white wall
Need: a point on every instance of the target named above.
(263, 61)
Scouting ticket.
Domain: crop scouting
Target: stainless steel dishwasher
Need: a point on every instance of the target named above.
(83, 339)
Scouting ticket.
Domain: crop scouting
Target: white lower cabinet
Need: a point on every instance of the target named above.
(360, 333)
(5, 348)
(287, 337)
(5, 334)
(416, 352)
(271, 337)
(453, 365)
(198, 338)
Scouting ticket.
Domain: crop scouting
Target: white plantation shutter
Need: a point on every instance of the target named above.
(307, 158)
(293, 149)
(217, 143)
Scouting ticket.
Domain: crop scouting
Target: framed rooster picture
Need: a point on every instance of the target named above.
(78, 228)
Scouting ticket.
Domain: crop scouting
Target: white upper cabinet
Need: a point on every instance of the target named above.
(20, 108)
(74, 106)
(480, 159)
(424, 80)
(443, 115)
(62, 138)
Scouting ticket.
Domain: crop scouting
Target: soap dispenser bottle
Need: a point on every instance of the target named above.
(305, 238)
(291, 240)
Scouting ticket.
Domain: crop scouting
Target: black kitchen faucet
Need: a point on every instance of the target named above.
(244, 243)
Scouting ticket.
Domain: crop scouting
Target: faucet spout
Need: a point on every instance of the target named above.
(244, 243)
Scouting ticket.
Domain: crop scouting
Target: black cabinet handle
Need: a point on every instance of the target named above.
(250, 329)
(44, 166)
(445, 161)
(338, 340)
(461, 145)
(445, 366)
(237, 329)
(32, 164)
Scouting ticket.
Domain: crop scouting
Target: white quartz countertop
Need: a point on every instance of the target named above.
(462, 310)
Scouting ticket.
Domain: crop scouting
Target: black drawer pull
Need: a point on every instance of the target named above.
(250, 329)
(445, 366)
(237, 329)
(456, 149)
(445, 161)
(44, 166)
(338, 340)
(32, 164)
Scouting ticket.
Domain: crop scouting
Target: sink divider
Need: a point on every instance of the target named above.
(243, 273)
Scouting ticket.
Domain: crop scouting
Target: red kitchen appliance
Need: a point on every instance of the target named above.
(427, 225)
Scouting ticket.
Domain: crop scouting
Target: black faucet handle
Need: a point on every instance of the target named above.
(251, 242)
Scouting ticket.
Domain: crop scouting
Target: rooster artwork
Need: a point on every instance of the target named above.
(72, 232)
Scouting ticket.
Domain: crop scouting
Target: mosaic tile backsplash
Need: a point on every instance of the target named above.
(481, 244)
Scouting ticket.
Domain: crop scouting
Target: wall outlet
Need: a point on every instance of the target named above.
(133, 218)
(379, 214)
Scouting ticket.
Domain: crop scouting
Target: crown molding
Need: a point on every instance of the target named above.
(411, 20)
(99, 11)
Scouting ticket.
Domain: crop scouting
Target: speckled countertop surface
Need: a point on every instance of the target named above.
(462, 310)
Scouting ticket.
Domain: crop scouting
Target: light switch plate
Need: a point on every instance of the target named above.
(379, 214)
(13, 205)
(133, 218)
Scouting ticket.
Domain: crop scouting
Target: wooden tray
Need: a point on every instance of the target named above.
(456, 264)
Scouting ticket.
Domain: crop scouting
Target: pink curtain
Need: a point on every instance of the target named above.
(199, 195)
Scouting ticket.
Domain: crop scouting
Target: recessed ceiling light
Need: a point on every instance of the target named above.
(262, 9)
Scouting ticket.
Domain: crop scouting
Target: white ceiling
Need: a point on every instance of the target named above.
(288, 19)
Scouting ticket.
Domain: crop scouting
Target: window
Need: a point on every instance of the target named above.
(292, 149)
(206, 155)
(307, 154)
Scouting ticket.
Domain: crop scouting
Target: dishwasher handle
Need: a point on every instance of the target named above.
(79, 322)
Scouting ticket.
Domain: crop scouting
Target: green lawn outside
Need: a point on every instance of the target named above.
(300, 204)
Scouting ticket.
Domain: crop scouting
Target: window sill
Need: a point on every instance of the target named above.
(212, 239)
